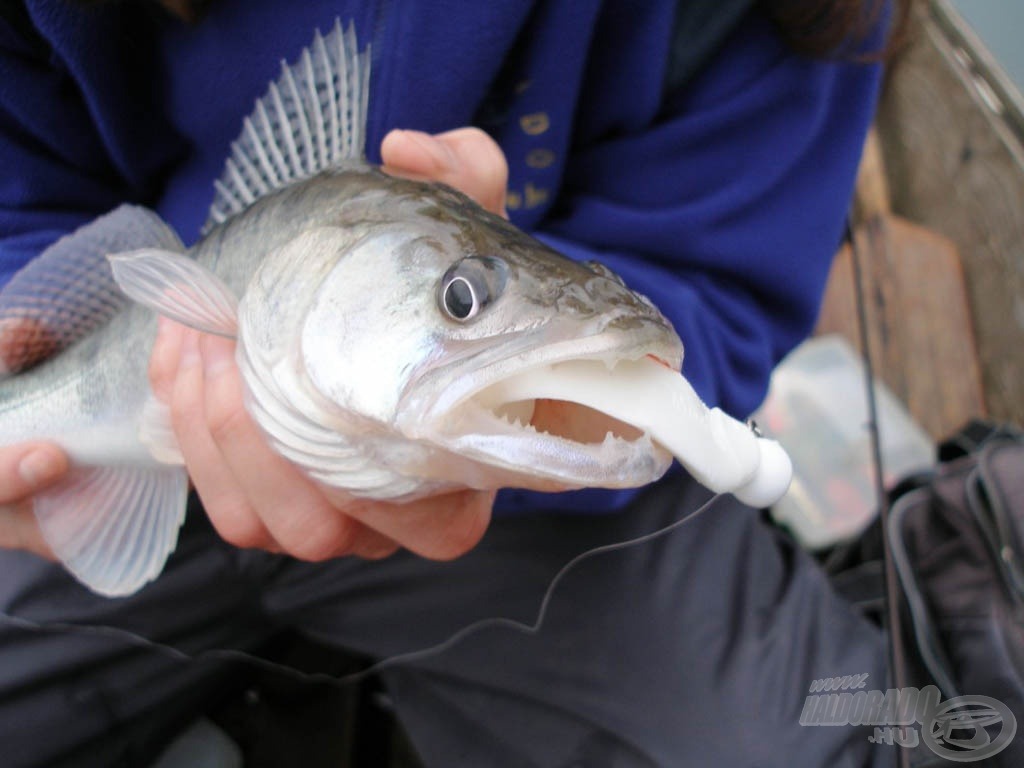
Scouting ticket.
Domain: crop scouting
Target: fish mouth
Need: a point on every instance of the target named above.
(554, 419)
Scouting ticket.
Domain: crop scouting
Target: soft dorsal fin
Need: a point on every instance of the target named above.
(312, 117)
(67, 291)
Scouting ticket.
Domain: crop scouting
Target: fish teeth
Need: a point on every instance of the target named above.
(610, 438)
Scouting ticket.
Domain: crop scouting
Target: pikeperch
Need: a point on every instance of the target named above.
(394, 340)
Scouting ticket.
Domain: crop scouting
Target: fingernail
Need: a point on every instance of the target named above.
(218, 354)
(436, 149)
(37, 467)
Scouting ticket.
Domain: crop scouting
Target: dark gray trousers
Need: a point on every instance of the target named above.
(696, 648)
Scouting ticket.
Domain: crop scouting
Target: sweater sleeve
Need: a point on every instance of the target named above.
(77, 123)
(46, 189)
(726, 211)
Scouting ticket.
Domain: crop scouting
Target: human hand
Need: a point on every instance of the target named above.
(256, 498)
(28, 468)
(25, 470)
(467, 159)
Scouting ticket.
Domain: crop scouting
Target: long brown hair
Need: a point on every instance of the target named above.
(190, 11)
(838, 28)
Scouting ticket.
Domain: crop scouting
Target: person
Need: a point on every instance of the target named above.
(687, 145)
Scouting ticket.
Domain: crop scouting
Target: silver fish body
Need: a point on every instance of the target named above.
(351, 364)
(89, 399)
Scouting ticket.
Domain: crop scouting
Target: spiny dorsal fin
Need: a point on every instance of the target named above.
(311, 117)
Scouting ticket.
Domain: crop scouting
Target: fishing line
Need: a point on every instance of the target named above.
(422, 654)
(897, 658)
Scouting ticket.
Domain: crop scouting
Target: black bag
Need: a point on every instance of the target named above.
(957, 541)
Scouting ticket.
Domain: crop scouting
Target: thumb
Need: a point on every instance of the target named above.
(466, 158)
(25, 469)
(28, 468)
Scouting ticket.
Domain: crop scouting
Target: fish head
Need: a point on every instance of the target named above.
(422, 325)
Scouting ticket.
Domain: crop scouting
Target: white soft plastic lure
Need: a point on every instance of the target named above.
(395, 341)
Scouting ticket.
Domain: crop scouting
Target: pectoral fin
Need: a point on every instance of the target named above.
(113, 528)
(179, 288)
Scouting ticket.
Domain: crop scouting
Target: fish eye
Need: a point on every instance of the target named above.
(460, 300)
(471, 285)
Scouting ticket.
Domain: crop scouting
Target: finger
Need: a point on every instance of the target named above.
(290, 505)
(440, 527)
(370, 544)
(224, 500)
(482, 164)
(29, 468)
(19, 529)
(467, 159)
(26, 470)
(163, 360)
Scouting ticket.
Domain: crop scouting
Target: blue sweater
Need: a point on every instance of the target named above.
(720, 195)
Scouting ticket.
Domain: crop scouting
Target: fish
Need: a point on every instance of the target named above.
(395, 340)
